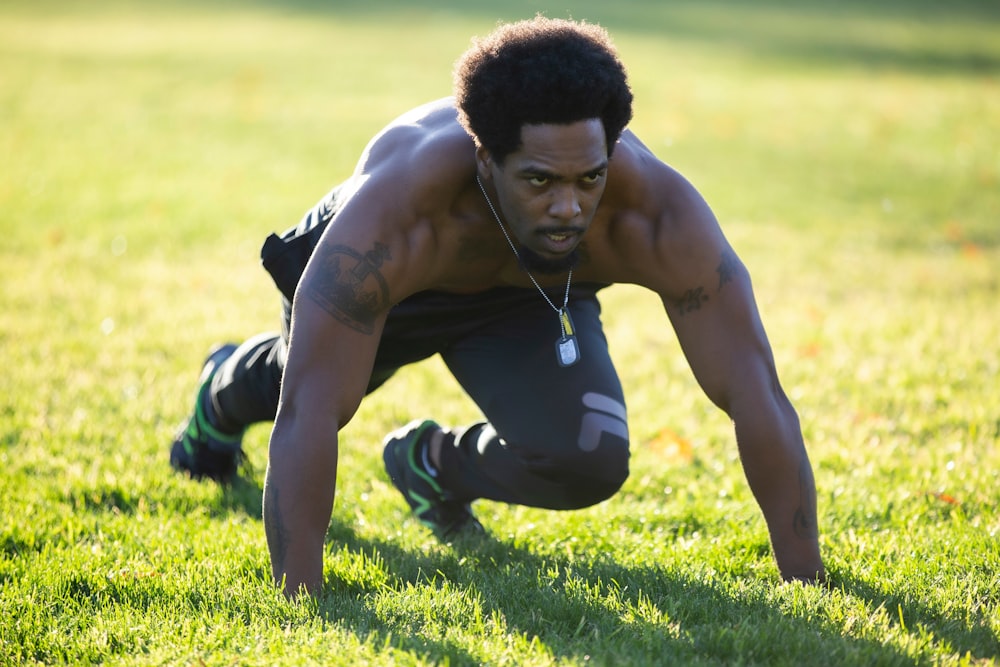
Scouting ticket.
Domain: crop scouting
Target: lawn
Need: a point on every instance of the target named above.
(850, 151)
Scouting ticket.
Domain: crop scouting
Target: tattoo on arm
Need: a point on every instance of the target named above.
(275, 531)
(350, 287)
(691, 301)
(804, 520)
(728, 269)
(729, 266)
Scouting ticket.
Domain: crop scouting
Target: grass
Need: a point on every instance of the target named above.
(850, 150)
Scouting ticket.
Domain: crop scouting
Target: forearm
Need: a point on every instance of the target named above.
(780, 476)
(299, 489)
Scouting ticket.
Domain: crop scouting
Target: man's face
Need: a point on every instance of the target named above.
(548, 190)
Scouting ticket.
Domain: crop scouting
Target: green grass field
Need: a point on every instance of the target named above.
(850, 150)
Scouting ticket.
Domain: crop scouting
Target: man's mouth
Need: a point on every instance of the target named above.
(559, 241)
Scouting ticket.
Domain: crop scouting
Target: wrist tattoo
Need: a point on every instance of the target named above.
(275, 531)
(804, 519)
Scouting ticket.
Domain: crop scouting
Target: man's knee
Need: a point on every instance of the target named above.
(569, 478)
(601, 451)
(595, 476)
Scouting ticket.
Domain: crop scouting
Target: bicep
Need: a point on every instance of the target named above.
(328, 367)
(707, 294)
(720, 331)
(338, 313)
(360, 268)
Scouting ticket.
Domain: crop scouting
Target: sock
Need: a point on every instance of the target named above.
(213, 414)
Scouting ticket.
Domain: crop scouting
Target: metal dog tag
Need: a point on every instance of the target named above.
(567, 348)
(567, 351)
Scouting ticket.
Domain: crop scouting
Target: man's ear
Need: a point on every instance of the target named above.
(484, 164)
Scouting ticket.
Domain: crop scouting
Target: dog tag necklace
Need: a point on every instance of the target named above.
(567, 348)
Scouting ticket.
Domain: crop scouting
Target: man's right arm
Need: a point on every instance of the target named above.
(337, 319)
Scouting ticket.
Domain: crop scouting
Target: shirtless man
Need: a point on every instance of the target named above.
(481, 228)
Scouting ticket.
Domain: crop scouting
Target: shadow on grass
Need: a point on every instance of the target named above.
(581, 605)
(965, 635)
(579, 608)
(245, 494)
(574, 605)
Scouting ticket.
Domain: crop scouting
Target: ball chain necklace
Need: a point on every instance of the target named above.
(567, 348)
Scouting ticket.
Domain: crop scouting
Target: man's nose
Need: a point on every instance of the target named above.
(565, 204)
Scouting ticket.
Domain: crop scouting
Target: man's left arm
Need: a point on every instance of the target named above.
(719, 329)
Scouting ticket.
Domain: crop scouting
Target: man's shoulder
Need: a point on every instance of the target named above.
(634, 159)
(430, 114)
(640, 180)
(643, 180)
(430, 127)
(425, 143)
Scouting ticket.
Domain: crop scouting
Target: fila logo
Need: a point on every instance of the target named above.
(605, 415)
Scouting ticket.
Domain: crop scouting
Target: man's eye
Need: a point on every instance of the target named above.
(591, 179)
(538, 181)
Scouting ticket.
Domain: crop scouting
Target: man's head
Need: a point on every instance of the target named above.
(540, 71)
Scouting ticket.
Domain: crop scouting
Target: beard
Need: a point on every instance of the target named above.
(532, 261)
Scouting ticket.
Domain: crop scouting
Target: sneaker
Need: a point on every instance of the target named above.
(200, 449)
(404, 449)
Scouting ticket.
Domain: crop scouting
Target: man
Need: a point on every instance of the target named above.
(481, 228)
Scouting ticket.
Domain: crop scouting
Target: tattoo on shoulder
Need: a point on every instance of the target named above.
(350, 287)
(729, 267)
(691, 301)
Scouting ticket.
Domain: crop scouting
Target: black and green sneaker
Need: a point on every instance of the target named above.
(199, 448)
(404, 455)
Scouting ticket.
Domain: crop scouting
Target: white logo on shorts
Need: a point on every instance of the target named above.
(606, 415)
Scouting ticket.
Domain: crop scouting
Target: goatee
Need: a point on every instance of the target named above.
(532, 261)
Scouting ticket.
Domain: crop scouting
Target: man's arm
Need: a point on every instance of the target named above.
(337, 319)
(707, 294)
(720, 331)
